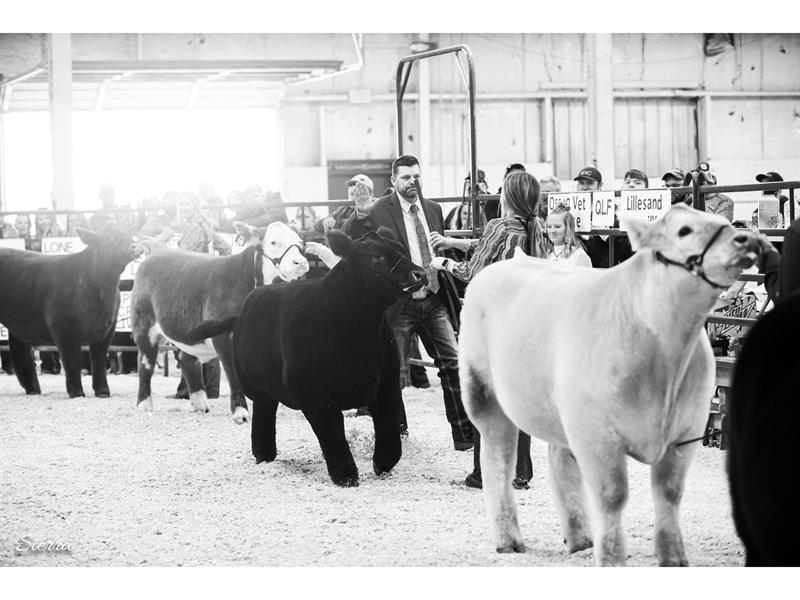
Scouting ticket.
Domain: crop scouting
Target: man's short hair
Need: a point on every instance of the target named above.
(406, 160)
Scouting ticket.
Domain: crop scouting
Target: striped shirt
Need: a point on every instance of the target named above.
(498, 242)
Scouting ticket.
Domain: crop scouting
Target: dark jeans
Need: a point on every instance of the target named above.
(50, 362)
(5, 362)
(211, 375)
(524, 463)
(428, 318)
(418, 375)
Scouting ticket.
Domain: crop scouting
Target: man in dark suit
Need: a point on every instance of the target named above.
(425, 312)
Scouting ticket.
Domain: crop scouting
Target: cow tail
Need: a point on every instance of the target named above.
(212, 328)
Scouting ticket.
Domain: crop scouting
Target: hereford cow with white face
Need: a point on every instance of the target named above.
(602, 365)
(175, 290)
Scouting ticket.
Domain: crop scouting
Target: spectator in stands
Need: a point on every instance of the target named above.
(565, 245)
(598, 247)
(196, 229)
(76, 220)
(305, 219)
(165, 224)
(22, 227)
(259, 209)
(635, 180)
(518, 227)
(216, 214)
(7, 230)
(358, 185)
(460, 217)
(108, 202)
(673, 179)
(550, 184)
(783, 201)
(716, 203)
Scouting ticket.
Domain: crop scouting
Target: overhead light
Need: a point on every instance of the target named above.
(418, 46)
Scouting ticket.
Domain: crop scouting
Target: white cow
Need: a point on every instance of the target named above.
(601, 364)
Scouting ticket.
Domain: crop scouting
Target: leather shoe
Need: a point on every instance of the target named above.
(474, 481)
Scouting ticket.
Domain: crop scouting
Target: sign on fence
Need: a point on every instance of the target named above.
(62, 245)
(602, 209)
(650, 204)
(3, 333)
(15, 243)
(579, 205)
(124, 313)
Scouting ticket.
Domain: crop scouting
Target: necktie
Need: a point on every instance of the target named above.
(433, 278)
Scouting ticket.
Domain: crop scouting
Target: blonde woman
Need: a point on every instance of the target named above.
(561, 233)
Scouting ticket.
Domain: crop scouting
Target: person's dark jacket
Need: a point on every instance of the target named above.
(387, 212)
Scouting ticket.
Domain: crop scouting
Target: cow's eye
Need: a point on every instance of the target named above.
(684, 231)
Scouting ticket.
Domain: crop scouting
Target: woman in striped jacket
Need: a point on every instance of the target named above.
(517, 227)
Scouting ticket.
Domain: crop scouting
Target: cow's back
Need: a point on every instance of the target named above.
(39, 292)
(179, 288)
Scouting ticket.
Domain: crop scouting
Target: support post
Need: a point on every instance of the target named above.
(60, 75)
(600, 96)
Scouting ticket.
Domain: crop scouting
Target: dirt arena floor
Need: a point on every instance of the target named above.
(173, 487)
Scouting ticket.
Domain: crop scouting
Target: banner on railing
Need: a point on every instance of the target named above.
(650, 204)
(14, 243)
(124, 313)
(579, 204)
(602, 209)
(62, 245)
(3, 334)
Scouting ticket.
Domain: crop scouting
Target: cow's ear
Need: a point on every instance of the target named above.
(640, 232)
(340, 243)
(387, 233)
(87, 236)
(248, 232)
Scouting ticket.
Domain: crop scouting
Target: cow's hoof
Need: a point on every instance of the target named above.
(385, 467)
(578, 544)
(265, 457)
(77, 395)
(199, 401)
(240, 415)
(346, 481)
(34, 392)
(102, 394)
(513, 547)
(145, 405)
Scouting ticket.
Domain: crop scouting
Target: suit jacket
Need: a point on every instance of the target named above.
(387, 212)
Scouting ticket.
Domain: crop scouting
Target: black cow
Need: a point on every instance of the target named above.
(325, 346)
(69, 301)
(175, 290)
(763, 453)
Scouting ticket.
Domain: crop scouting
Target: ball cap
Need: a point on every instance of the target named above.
(637, 174)
(361, 178)
(768, 176)
(676, 173)
(589, 173)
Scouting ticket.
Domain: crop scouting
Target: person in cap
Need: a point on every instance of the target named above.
(772, 177)
(360, 189)
(598, 247)
(588, 179)
(635, 180)
(673, 179)
(715, 203)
